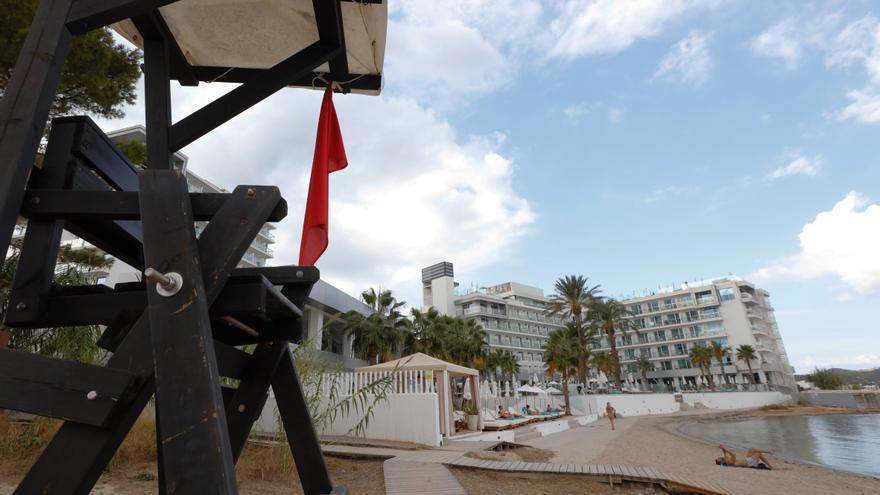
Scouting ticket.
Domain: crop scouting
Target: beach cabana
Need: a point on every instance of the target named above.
(444, 372)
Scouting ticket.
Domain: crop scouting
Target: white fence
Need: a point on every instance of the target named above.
(401, 382)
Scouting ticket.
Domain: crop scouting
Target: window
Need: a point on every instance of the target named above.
(656, 321)
(660, 335)
(663, 351)
(636, 309)
(653, 306)
(681, 349)
(645, 352)
(666, 365)
(684, 363)
(672, 319)
(709, 313)
(686, 300)
(715, 327)
(677, 334)
(629, 354)
(726, 294)
(643, 338)
(669, 304)
(639, 323)
(466, 306)
(693, 315)
(696, 330)
(627, 340)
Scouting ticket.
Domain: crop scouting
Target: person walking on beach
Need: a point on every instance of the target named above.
(611, 413)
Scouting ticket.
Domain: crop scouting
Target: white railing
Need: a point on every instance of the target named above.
(402, 382)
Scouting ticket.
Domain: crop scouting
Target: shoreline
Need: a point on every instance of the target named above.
(673, 426)
(647, 441)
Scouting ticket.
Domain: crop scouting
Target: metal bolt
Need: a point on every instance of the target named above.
(251, 192)
(241, 408)
(243, 221)
(167, 284)
(92, 395)
(21, 306)
(35, 200)
(299, 274)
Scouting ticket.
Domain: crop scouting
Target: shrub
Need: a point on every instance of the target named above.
(825, 379)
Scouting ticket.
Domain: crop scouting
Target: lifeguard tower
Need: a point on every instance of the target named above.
(174, 335)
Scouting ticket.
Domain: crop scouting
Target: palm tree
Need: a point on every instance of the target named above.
(644, 365)
(719, 352)
(747, 353)
(610, 317)
(572, 299)
(494, 360)
(701, 356)
(603, 361)
(379, 335)
(561, 356)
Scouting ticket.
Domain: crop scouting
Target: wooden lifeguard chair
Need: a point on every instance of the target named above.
(176, 333)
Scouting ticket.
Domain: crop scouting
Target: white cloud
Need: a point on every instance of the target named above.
(576, 112)
(596, 27)
(781, 41)
(688, 62)
(662, 193)
(801, 165)
(867, 359)
(865, 107)
(843, 242)
(414, 192)
(857, 43)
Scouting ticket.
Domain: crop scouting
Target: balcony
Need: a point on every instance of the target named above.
(706, 300)
(754, 314)
(748, 298)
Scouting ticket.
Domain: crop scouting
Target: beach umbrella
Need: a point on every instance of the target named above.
(466, 393)
(507, 388)
(535, 379)
(526, 388)
(552, 390)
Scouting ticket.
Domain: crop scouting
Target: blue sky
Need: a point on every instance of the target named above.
(639, 143)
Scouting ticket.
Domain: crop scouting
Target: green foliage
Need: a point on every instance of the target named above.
(572, 300)
(610, 317)
(748, 354)
(454, 339)
(135, 151)
(143, 476)
(644, 365)
(503, 361)
(825, 379)
(702, 356)
(604, 362)
(378, 336)
(318, 376)
(99, 75)
(562, 355)
(75, 343)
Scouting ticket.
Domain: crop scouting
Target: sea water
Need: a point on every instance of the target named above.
(849, 442)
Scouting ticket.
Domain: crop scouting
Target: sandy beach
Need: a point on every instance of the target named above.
(647, 441)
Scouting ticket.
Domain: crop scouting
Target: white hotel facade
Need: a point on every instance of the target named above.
(666, 324)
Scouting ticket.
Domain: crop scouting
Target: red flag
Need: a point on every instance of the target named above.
(329, 157)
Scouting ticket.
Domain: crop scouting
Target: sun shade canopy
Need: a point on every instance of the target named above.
(231, 41)
(423, 362)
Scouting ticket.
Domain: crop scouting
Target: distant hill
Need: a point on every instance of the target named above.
(865, 377)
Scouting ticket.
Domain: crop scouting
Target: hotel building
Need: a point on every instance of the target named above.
(513, 315)
(666, 325)
(730, 311)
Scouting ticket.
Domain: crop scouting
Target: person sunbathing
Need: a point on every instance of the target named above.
(531, 411)
(503, 413)
(754, 459)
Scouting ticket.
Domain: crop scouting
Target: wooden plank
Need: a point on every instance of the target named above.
(61, 389)
(194, 434)
(263, 85)
(43, 203)
(297, 422)
(36, 266)
(24, 108)
(247, 403)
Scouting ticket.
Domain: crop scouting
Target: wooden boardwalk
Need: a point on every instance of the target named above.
(424, 471)
(612, 473)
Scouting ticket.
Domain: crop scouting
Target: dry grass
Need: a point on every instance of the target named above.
(522, 453)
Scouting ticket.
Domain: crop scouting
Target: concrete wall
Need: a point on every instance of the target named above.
(851, 399)
(635, 404)
(735, 400)
(404, 418)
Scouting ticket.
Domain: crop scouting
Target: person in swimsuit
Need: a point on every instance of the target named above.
(611, 413)
(754, 459)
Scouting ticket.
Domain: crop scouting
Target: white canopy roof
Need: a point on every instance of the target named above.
(257, 34)
(420, 361)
